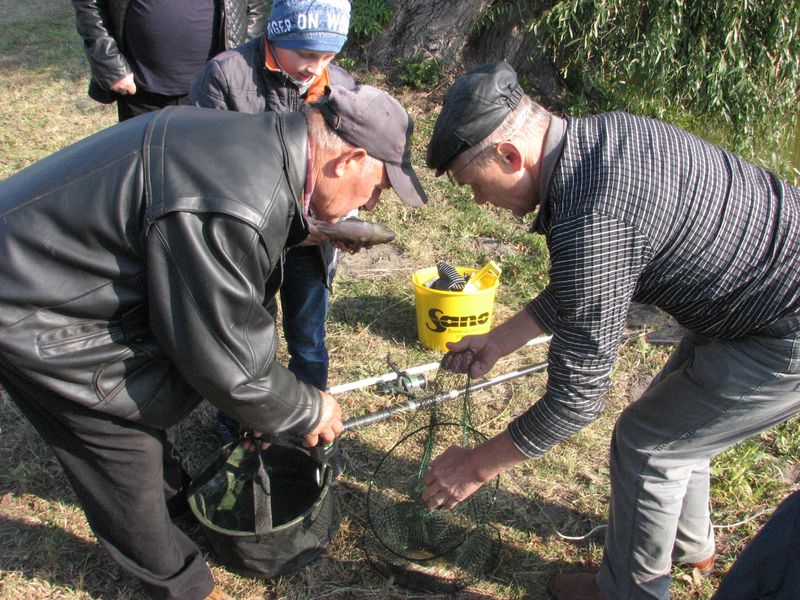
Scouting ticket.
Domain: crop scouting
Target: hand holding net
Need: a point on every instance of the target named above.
(397, 516)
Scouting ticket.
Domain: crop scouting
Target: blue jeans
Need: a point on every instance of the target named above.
(710, 395)
(304, 304)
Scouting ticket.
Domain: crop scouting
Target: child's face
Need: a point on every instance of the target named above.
(303, 65)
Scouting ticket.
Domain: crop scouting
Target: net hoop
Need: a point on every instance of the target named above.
(480, 503)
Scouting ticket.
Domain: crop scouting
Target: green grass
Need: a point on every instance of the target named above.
(49, 551)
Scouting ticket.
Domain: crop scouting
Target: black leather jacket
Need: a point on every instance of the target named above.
(100, 24)
(138, 263)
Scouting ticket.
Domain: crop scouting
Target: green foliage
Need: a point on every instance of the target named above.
(347, 63)
(367, 19)
(784, 440)
(738, 61)
(420, 72)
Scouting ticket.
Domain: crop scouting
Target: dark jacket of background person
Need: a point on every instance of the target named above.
(100, 24)
(227, 83)
(167, 231)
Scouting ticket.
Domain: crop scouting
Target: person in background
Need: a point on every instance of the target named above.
(280, 71)
(633, 209)
(139, 266)
(145, 54)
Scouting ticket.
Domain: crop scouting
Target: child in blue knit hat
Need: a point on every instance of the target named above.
(306, 35)
(279, 71)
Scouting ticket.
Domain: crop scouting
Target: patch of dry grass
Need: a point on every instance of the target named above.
(48, 550)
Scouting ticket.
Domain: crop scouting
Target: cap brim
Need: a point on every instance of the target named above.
(406, 185)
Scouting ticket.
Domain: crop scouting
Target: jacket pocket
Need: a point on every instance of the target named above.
(83, 342)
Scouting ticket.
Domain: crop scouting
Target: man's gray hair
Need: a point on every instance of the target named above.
(526, 120)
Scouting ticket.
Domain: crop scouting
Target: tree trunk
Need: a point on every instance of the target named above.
(428, 29)
(451, 31)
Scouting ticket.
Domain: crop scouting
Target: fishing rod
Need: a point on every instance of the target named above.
(416, 404)
(322, 453)
(396, 376)
(411, 373)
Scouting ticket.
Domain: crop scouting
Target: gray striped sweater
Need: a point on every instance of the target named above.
(639, 210)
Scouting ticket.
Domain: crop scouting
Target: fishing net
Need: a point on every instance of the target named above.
(476, 558)
(400, 522)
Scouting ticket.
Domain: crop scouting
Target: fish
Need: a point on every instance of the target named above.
(356, 231)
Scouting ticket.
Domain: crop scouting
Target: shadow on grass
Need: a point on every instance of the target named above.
(391, 317)
(43, 552)
(48, 553)
(509, 564)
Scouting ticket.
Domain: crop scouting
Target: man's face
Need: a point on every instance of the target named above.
(303, 65)
(345, 184)
(500, 181)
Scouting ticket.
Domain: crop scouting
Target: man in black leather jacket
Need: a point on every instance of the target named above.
(138, 266)
(173, 40)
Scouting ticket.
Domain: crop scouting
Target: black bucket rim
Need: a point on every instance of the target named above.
(220, 459)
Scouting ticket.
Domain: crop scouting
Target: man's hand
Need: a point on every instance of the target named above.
(315, 236)
(473, 354)
(330, 423)
(459, 472)
(476, 354)
(125, 86)
(451, 478)
(329, 426)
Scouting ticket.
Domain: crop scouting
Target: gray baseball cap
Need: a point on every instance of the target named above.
(370, 118)
(474, 106)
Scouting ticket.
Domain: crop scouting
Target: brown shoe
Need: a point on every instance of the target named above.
(706, 567)
(576, 586)
(218, 594)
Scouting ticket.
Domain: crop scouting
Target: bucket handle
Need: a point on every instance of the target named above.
(262, 498)
(316, 509)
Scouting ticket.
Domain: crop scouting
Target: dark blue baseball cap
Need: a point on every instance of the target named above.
(370, 118)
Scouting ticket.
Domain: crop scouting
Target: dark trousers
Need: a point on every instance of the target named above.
(769, 567)
(144, 102)
(122, 474)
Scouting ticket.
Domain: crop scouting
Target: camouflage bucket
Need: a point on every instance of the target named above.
(266, 513)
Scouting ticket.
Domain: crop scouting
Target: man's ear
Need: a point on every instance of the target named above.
(353, 158)
(511, 155)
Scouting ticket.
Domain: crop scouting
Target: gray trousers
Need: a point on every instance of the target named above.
(710, 395)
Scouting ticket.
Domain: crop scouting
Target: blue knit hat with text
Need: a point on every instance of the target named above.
(317, 25)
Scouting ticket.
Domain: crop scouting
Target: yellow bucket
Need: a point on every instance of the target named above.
(444, 316)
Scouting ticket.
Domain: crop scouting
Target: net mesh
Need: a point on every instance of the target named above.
(476, 558)
(401, 523)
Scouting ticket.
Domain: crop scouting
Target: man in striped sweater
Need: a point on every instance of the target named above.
(632, 209)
